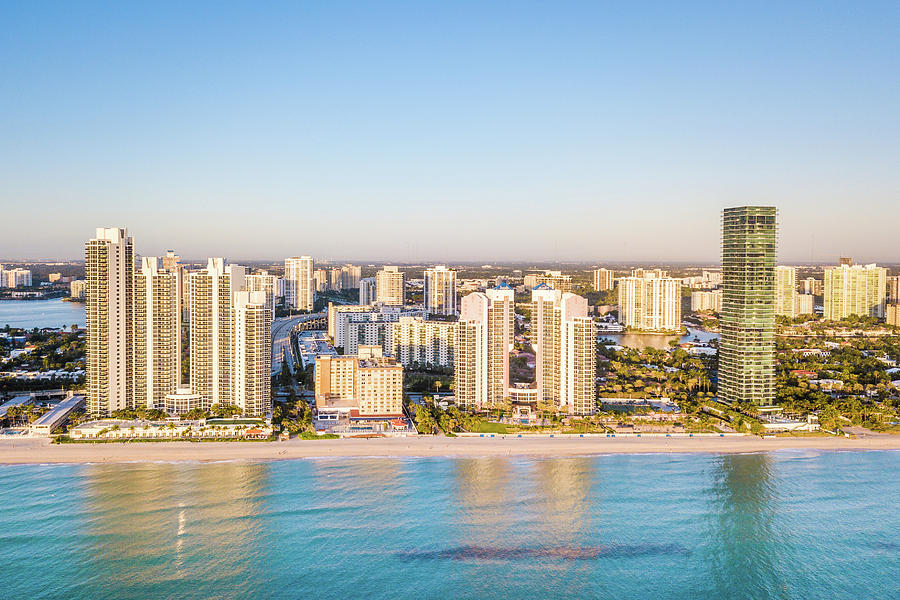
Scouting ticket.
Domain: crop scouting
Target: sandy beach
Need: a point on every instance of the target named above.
(38, 451)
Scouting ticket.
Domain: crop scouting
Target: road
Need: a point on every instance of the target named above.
(281, 339)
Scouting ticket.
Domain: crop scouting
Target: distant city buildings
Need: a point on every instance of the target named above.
(440, 291)
(350, 276)
(389, 286)
(650, 301)
(320, 280)
(854, 290)
(367, 291)
(893, 289)
(786, 291)
(647, 273)
(564, 340)
(15, 278)
(604, 280)
(706, 301)
(892, 314)
(805, 305)
(747, 344)
(76, 289)
(484, 340)
(812, 286)
(299, 287)
(553, 279)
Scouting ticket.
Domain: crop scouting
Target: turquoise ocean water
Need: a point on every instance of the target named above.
(774, 525)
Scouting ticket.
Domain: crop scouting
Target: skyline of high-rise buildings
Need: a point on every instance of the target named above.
(135, 328)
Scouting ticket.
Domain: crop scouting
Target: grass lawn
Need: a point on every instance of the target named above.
(486, 427)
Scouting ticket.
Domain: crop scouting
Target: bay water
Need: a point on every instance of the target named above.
(29, 314)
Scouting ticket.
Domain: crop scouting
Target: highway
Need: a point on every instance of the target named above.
(281, 339)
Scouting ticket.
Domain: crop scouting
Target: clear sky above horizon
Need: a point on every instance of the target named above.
(416, 131)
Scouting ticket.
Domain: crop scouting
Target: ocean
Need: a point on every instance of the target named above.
(771, 525)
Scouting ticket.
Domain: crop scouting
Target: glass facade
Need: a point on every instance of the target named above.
(747, 346)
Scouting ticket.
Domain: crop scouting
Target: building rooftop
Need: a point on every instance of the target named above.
(17, 401)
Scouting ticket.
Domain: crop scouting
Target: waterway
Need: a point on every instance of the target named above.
(660, 342)
(29, 314)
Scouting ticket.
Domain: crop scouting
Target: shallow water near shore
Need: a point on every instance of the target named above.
(782, 524)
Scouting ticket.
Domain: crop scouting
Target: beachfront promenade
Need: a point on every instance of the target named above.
(32, 450)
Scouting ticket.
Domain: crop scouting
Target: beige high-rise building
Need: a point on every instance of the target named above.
(786, 291)
(267, 284)
(299, 286)
(892, 315)
(109, 288)
(76, 289)
(157, 333)
(604, 279)
(805, 305)
(703, 300)
(564, 340)
(423, 343)
(335, 279)
(389, 286)
(650, 303)
(252, 353)
(854, 290)
(371, 382)
(484, 339)
(212, 331)
(320, 280)
(440, 291)
(811, 286)
(334, 311)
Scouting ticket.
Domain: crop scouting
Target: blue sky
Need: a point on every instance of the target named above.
(449, 131)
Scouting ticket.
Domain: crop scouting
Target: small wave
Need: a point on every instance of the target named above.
(559, 552)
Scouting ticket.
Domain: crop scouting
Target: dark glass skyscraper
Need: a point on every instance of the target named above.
(747, 345)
